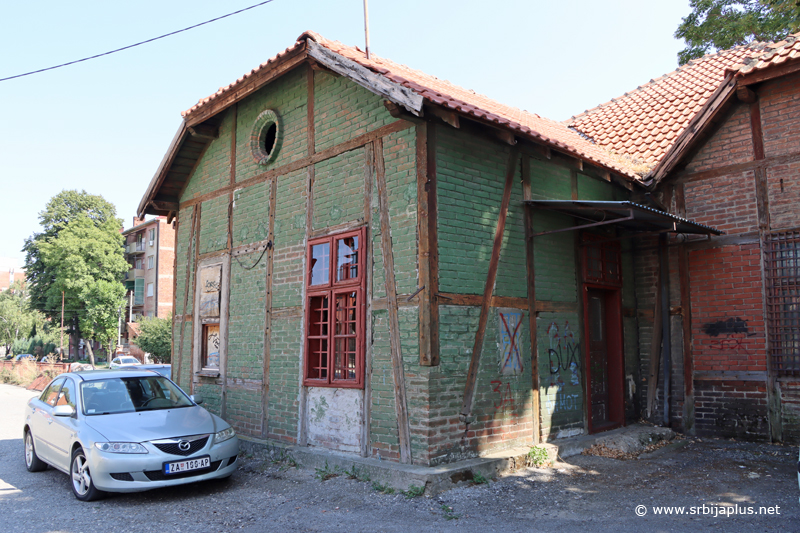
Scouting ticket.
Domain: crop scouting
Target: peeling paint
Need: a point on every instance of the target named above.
(335, 418)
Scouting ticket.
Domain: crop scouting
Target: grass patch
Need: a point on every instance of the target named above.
(537, 456)
(448, 513)
(383, 489)
(355, 473)
(326, 473)
(414, 491)
(479, 479)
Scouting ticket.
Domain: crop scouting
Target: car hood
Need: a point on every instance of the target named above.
(153, 425)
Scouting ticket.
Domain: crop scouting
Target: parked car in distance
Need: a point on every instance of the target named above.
(125, 431)
(25, 357)
(164, 370)
(125, 360)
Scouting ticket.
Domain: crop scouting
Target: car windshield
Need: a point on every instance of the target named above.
(128, 395)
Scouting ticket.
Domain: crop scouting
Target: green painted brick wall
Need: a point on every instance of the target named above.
(211, 393)
(251, 214)
(185, 354)
(284, 374)
(383, 417)
(214, 225)
(246, 316)
(183, 249)
(594, 189)
(554, 259)
(339, 189)
(287, 96)
(214, 169)
(560, 372)
(550, 182)
(343, 110)
(288, 258)
(470, 179)
(243, 408)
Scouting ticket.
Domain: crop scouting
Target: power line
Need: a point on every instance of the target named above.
(136, 44)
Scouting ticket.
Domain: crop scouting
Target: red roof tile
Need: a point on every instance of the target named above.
(774, 55)
(446, 94)
(665, 104)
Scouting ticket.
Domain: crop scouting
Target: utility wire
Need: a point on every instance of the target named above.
(136, 44)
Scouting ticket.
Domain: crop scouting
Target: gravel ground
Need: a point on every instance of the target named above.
(578, 494)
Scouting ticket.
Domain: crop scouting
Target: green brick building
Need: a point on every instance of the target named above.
(375, 261)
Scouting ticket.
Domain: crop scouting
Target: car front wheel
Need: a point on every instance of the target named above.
(32, 461)
(82, 485)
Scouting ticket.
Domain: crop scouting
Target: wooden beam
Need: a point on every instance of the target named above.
(163, 205)
(449, 117)
(491, 276)
(476, 300)
(739, 168)
(686, 322)
(189, 250)
(273, 190)
(758, 76)
(655, 349)
(204, 132)
(427, 250)
(531, 284)
(311, 132)
(334, 151)
(398, 372)
(744, 94)
(369, 348)
(373, 82)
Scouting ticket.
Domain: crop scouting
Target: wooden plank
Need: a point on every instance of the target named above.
(398, 373)
(476, 300)
(530, 279)
(189, 250)
(373, 82)
(491, 276)
(369, 179)
(199, 210)
(311, 133)
(426, 250)
(655, 350)
(686, 322)
(205, 132)
(448, 116)
(273, 188)
(573, 182)
(352, 144)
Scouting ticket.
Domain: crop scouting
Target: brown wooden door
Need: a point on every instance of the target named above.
(605, 359)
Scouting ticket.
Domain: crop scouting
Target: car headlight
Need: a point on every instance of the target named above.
(225, 434)
(120, 447)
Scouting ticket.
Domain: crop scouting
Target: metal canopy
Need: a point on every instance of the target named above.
(627, 215)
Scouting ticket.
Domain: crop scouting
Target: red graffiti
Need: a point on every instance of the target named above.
(506, 398)
(734, 342)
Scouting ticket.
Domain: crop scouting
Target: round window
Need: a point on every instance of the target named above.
(265, 140)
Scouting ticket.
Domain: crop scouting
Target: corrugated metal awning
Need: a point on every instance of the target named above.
(628, 215)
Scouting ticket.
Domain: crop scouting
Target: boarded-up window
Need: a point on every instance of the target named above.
(211, 346)
(783, 301)
(210, 283)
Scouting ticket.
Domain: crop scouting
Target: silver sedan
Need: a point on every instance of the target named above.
(125, 431)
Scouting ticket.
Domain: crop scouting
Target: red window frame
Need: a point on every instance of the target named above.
(335, 312)
(602, 261)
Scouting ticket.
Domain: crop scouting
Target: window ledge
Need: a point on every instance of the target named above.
(208, 373)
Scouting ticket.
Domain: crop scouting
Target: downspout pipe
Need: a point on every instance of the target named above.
(666, 348)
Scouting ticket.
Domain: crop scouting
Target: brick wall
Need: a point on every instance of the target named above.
(166, 265)
(731, 144)
(731, 409)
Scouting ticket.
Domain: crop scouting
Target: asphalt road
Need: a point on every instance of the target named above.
(580, 494)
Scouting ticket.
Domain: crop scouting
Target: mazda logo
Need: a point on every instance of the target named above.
(184, 445)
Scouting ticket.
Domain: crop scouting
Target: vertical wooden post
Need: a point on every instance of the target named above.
(198, 211)
(273, 186)
(369, 178)
(491, 276)
(655, 349)
(189, 249)
(428, 255)
(686, 321)
(398, 373)
(762, 208)
(531, 282)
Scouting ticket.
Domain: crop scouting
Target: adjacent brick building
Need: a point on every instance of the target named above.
(150, 251)
(10, 272)
(720, 135)
(372, 260)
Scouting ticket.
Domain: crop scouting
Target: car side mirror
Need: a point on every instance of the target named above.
(63, 410)
(196, 398)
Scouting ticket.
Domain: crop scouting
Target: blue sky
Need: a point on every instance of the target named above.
(105, 124)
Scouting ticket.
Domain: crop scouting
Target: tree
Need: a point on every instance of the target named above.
(16, 318)
(722, 24)
(155, 337)
(80, 253)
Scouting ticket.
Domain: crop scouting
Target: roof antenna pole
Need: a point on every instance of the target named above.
(366, 26)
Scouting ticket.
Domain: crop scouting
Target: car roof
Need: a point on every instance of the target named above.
(94, 375)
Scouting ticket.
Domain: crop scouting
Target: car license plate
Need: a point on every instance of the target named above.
(178, 467)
